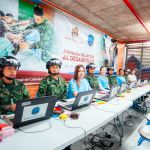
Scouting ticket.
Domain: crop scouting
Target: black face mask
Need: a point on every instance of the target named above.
(8, 78)
(90, 74)
(110, 73)
(54, 74)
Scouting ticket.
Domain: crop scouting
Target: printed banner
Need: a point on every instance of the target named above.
(35, 35)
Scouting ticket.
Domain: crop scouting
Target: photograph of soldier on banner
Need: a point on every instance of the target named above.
(109, 51)
(28, 39)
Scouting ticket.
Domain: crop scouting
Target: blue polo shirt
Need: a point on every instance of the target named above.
(73, 87)
(121, 80)
(103, 83)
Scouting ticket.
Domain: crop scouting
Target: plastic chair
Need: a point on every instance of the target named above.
(144, 134)
(148, 119)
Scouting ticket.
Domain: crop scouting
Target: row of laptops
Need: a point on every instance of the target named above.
(85, 98)
(38, 109)
(114, 90)
(33, 110)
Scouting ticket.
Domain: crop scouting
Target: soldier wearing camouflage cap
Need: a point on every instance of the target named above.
(11, 90)
(112, 80)
(53, 84)
(90, 68)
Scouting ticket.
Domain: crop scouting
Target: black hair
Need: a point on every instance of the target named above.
(120, 70)
(10, 15)
(2, 14)
(102, 67)
(38, 11)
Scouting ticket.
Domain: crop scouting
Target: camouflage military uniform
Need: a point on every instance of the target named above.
(50, 86)
(46, 38)
(112, 80)
(93, 81)
(17, 92)
(5, 47)
(126, 77)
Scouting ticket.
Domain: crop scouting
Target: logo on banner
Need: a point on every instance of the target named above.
(90, 40)
(75, 33)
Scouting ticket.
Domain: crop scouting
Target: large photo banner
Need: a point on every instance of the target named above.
(35, 34)
(76, 43)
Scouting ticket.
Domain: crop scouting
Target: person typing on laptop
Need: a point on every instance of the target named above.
(79, 83)
(53, 84)
(11, 90)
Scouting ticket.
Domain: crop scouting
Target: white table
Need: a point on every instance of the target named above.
(59, 136)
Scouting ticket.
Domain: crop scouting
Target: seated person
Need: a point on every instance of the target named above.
(53, 84)
(79, 83)
(11, 90)
(90, 68)
(120, 78)
(132, 77)
(103, 80)
(112, 80)
(126, 73)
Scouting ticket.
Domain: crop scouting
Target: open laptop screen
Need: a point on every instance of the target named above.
(85, 99)
(33, 110)
(123, 88)
(113, 92)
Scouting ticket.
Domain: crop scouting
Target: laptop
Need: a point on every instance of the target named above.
(130, 86)
(137, 83)
(112, 94)
(122, 88)
(145, 82)
(32, 110)
(83, 99)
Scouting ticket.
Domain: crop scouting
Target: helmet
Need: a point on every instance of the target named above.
(110, 68)
(90, 65)
(9, 61)
(52, 62)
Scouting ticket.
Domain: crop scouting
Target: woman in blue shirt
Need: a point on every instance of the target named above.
(78, 83)
(103, 80)
(120, 78)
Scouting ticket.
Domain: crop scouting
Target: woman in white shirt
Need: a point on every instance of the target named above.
(132, 77)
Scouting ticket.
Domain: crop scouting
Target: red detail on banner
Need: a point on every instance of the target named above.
(37, 76)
